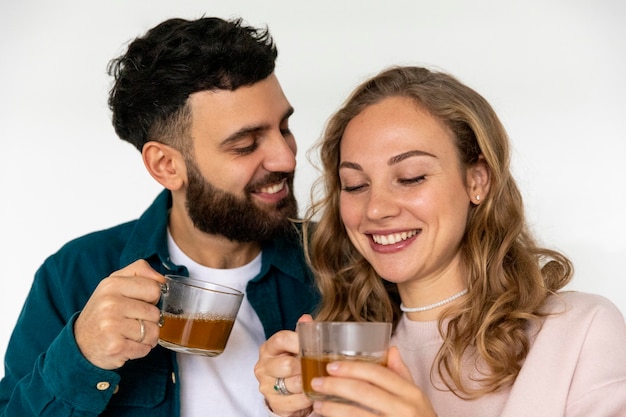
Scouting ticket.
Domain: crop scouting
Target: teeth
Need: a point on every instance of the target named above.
(393, 238)
(273, 189)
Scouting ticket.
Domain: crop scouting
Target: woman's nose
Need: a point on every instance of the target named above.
(381, 203)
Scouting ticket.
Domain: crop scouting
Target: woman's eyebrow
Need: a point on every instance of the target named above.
(351, 165)
(392, 161)
(401, 157)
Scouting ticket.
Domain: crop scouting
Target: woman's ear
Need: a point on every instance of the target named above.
(165, 164)
(478, 180)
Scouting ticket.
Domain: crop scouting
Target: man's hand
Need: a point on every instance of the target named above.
(120, 320)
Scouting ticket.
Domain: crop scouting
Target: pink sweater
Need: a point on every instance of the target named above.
(576, 366)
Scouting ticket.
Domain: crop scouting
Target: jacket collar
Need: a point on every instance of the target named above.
(148, 241)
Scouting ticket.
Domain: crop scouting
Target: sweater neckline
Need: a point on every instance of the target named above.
(413, 335)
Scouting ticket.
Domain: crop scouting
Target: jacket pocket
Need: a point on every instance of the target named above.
(142, 390)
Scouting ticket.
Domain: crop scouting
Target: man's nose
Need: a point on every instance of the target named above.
(280, 154)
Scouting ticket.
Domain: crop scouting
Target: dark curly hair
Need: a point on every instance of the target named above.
(176, 58)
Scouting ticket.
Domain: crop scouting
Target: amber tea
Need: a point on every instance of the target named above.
(197, 316)
(198, 334)
(315, 366)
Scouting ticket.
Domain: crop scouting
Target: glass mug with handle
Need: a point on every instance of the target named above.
(197, 316)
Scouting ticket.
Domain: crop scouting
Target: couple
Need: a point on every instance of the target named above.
(420, 225)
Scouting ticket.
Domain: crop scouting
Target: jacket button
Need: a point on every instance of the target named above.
(116, 389)
(173, 378)
(103, 386)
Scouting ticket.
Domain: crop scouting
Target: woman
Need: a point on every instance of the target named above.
(422, 224)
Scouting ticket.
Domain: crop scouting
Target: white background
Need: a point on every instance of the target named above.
(555, 71)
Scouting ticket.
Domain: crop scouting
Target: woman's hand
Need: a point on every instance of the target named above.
(278, 359)
(380, 391)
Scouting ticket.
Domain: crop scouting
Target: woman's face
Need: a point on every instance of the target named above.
(405, 196)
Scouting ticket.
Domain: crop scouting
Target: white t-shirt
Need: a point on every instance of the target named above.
(224, 385)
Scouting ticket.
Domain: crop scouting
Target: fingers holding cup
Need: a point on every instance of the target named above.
(278, 373)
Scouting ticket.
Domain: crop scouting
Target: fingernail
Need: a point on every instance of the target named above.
(316, 382)
(333, 366)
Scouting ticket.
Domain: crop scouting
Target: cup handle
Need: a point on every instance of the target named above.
(165, 288)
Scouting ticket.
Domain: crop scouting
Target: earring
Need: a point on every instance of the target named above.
(478, 198)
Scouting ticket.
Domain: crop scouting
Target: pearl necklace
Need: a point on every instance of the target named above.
(431, 306)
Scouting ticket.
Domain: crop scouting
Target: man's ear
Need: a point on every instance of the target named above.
(478, 180)
(165, 164)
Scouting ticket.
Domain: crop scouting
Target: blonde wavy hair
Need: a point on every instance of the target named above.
(508, 275)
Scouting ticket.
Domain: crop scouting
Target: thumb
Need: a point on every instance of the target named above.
(396, 364)
(305, 318)
(142, 268)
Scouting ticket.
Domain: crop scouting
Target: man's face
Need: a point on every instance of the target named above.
(240, 177)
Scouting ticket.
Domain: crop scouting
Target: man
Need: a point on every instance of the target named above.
(200, 100)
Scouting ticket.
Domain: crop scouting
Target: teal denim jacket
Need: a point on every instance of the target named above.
(46, 374)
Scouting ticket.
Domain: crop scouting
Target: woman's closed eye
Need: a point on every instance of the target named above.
(413, 180)
(353, 188)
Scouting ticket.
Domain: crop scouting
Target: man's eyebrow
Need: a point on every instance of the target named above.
(243, 133)
(251, 130)
(287, 114)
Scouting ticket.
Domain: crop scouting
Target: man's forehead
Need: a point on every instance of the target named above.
(266, 93)
(223, 113)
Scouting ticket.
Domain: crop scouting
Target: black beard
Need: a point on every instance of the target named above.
(238, 219)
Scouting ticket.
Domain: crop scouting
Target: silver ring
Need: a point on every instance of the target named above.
(142, 331)
(280, 387)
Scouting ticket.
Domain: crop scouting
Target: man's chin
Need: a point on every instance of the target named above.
(281, 210)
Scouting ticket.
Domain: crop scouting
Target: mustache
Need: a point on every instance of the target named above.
(271, 178)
